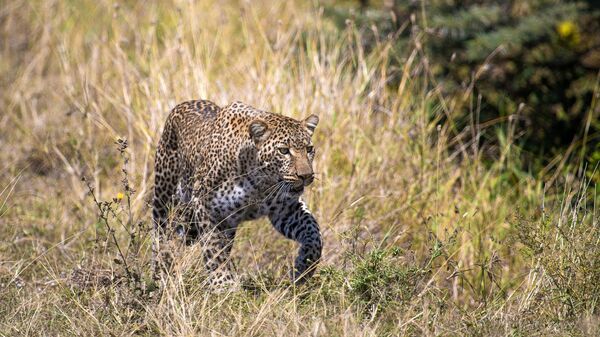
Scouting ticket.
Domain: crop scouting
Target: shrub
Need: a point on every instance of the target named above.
(537, 59)
(379, 279)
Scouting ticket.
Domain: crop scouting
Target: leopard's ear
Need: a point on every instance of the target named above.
(311, 123)
(259, 131)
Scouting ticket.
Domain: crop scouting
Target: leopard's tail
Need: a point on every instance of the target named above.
(167, 172)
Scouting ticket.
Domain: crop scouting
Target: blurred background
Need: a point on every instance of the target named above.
(456, 156)
(535, 61)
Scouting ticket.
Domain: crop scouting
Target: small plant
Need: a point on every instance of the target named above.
(379, 279)
(115, 221)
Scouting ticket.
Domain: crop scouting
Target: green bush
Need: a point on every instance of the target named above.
(377, 279)
(538, 59)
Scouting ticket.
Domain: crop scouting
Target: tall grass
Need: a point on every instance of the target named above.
(425, 231)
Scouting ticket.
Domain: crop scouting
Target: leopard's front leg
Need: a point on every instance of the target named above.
(295, 222)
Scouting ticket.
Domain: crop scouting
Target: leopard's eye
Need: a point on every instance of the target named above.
(284, 150)
(310, 149)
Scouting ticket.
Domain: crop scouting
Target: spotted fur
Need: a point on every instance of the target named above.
(223, 166)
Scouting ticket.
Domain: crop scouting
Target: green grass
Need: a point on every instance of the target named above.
(425, 231)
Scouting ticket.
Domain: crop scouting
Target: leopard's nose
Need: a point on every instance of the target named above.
(307, 178)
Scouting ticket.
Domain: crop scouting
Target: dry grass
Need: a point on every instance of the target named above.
(422, 235)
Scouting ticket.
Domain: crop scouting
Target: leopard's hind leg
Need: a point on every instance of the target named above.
(215, 242)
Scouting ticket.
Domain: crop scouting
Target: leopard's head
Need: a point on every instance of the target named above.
(285, 150)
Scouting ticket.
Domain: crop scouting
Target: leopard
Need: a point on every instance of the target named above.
(218, 167)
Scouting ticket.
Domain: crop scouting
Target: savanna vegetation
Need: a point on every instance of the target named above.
(443, 211)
